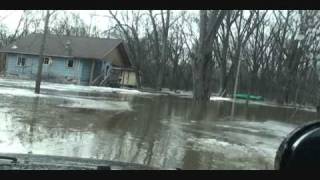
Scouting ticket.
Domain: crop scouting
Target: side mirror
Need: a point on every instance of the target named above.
(300, 149)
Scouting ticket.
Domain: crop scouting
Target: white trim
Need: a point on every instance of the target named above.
(67, 63)
(49, 60)
(22, 57)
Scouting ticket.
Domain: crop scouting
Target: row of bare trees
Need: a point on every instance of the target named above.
(269, 53)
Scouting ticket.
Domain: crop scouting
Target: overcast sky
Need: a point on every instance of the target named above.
(11, 17)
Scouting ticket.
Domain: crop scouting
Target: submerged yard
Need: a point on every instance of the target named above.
(133, 126)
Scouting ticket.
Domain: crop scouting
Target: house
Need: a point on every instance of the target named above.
(69, 59)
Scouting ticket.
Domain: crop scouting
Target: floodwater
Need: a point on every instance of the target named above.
(155, 130)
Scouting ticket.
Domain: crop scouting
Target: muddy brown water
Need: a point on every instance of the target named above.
(159, 131)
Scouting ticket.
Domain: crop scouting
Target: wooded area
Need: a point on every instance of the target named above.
(269, 53)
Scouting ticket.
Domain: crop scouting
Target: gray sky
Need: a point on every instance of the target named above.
(11, 17)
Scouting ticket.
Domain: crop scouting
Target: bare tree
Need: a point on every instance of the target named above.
(41, 55)
(161, 43)
(232, 51)
(134, 43)
(243, 34)
(176, 53)
(222, 50)
(202, 65)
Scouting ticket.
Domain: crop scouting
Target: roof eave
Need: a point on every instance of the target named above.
(52, 55)
(126, 54)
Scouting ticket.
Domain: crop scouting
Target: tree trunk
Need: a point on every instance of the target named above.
(138, 78)
(43, 42)
(235, 89)
(2, 63)
(202, 71)
(175, 84)
(199, 85)
(159, 77)
(224, 80)
(254, 80)
(291, 72)
(202, 63)
(223, 70)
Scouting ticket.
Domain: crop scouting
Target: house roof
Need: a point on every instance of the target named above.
(81, 47)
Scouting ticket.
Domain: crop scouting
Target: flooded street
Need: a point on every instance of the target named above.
(131, 126)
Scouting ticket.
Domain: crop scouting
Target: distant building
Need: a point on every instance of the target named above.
(69, 59)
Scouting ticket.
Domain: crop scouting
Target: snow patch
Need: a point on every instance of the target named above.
(19, 92)
(279, 129)
(94, 104)
(69, 87)
(229, 150)
(219, 98)
(212, 142)
(72, 102)
(238, 128)
(177, 93)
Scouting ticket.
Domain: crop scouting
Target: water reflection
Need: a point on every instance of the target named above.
(34, 108)
(160, 131)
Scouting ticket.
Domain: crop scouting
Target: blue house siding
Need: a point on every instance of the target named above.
(13, 69)
(85, 71)
(58, 71)
(97, 69)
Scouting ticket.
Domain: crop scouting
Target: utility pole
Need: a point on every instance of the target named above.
(43, 42)
(235, 88)
(91, 16)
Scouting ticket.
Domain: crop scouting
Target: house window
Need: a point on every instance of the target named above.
(46, 60)
(70, 63)
(21, 61)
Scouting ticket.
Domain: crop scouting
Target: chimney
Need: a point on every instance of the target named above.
(68, 47)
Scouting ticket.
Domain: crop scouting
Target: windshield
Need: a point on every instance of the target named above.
(209, 89)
